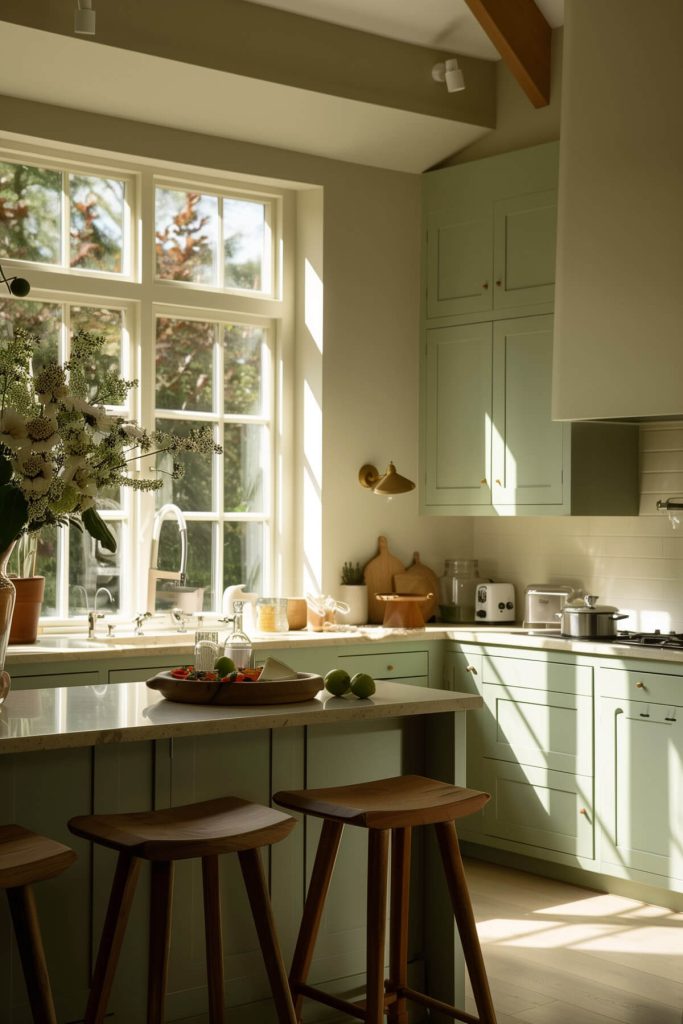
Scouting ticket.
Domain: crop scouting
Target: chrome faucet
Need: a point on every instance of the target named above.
(94, 615)
(156, 574)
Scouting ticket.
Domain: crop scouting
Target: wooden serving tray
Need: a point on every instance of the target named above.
(285, 691)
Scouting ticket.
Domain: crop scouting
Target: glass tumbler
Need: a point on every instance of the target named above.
(205, 649)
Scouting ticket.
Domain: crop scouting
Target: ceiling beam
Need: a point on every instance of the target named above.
(521, 35)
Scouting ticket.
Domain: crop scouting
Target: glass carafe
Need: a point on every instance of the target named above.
(238, 645)
(457, 588)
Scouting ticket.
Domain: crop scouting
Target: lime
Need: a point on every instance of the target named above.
(224, 666)
(363, 685)
(337, 681)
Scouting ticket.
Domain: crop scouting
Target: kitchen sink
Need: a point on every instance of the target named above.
(119, 639)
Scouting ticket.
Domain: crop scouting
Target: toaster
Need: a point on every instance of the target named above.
(494, 602)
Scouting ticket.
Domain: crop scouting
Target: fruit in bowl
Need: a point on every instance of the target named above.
(188, 673)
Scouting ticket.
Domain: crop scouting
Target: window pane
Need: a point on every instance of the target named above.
(243, 372)
(244, 456)
(94, 572)
(193, 492)
(243, 555)
(42, 319)
(199, 562)
(186, 236)
(108, 323)
(30, 213)
(184, 364)
(244, 233)
(97, 211)
(46, 565)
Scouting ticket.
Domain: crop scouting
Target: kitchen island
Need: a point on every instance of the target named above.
(112, 747)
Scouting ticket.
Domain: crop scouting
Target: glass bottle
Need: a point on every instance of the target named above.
(457, 589)
(238, 645)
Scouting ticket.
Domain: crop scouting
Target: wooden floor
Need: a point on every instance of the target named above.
(557, 954)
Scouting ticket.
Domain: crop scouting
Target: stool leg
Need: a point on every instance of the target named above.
(122, 891)
(378, 858)
(257, 891)
(214, 939)
(464, 916)
(27, 930)
(161, 899)
(398, 935)
(313, 907)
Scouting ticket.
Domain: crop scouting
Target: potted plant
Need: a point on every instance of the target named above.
(354, 592)
(60, 446)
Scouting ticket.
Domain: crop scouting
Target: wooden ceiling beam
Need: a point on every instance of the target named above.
(521, 35)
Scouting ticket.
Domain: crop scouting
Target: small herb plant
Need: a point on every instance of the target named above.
(352, 575)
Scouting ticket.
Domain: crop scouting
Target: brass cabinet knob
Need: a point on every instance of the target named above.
(582, 810)
(641, 686)
(472, 669)
(485, 285)
(390, 668)
(499, 483)
(499, 284)
(482, 481)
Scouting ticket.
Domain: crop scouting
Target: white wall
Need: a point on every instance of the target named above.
(633, 562)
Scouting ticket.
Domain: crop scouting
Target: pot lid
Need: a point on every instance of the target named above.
(590, 607)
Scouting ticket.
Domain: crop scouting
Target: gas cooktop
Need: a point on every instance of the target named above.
(666, 641)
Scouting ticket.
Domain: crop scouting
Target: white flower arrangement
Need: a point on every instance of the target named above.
(59, 444)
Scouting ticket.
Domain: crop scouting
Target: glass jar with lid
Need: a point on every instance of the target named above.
(457, 589)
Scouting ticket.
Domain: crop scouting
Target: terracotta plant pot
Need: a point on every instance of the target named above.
(30, 591)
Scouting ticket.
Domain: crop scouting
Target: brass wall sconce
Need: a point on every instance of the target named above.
(18, 286)
(387, 484)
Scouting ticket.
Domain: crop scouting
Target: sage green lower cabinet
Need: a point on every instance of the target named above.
(582, 756)
(640, 775)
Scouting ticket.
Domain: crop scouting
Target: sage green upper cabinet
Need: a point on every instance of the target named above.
(490, 230)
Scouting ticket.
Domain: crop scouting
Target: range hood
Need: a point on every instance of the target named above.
(619, 294)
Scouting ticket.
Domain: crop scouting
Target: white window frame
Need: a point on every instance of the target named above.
(144, 297)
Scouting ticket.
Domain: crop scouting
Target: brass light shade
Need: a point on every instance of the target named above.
(389, 484)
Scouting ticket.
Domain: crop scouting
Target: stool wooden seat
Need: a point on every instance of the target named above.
(206, 830)
(26, 857)
(389, 808)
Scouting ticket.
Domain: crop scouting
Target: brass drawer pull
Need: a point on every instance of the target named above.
(472, 669)
(640, 685)
(390, 668)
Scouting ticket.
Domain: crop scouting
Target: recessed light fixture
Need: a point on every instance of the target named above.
(84, 18)
(450, 73)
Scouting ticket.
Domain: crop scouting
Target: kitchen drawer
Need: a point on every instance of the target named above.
(627, 684)
(538, 675)
(539, 808)
(387, 666)
(136, 675)
(38, 680)
(549, 730)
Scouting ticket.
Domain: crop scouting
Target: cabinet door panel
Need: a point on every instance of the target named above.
(524, 249)
(640, 787)
(550, 810)
(460, 261)
(549, 730)
(528, 449)
(458, 415)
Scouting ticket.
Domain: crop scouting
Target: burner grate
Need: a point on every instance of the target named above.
(657, 639)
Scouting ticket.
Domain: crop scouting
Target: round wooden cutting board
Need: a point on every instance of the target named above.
(379, 578)
(427, 581)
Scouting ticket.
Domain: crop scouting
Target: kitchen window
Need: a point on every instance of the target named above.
(182, 274)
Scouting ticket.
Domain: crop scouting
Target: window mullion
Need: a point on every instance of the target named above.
(219, 436)
(66, 221)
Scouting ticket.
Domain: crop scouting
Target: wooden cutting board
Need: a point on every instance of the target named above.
(426, 579)
(379, 578)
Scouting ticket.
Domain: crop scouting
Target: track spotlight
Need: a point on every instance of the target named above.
(84, 18)
(18, 286)
(450, 73)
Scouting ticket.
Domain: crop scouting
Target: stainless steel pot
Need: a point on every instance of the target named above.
(590, 621)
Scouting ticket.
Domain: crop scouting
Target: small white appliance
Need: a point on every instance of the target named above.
(494, 602)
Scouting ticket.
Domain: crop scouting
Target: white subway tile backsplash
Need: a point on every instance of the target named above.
(633, 562)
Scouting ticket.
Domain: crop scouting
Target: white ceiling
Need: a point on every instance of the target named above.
(441, 24)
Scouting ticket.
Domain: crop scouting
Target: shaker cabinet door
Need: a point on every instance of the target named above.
(459, 261)
(524, 249)
(529, 450)
(639, 787)
(458, 415)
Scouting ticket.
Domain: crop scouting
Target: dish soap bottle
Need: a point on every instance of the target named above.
(238, 645)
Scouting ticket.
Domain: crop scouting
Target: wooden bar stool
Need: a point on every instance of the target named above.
(205, 830)
(26, 858)
(389, 809)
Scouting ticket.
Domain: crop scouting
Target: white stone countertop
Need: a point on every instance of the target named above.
(85, 716)
(55, 648)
